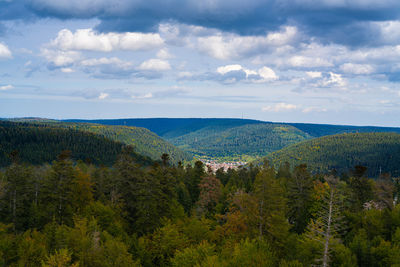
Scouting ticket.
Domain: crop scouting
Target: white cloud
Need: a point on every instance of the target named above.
(185, 74)
(87, 39)
(232, 46)
(4, 51)
(314, 74)
(145, 96)
(357, 68)
(267, 74)
(280, 107)
(309, 62)
(332, 79)
(67, 70)
(6, 87)
(105, 61)
(225, 69)
(155, 65)
(61, 58)
(164, 54)
(314, 109)
(321, 80)
(103, 95)
(261, 75)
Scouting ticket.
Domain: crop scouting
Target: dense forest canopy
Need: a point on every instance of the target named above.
(145, 142)
(72, 213)
(236, 139)
(39, 144)
(379, 152)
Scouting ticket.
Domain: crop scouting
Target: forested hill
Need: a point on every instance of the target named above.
(319, 130)
(173, 127)
(38, 144)
(379, 152)
(235, 138)
(144, 141)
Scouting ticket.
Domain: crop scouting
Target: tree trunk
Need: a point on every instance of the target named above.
(328, 232)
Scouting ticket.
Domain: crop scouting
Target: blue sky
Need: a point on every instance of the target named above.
(325, 61)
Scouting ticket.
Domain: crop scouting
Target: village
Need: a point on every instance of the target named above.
(213, 165)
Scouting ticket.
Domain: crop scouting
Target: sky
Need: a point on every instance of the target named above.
(317, 61)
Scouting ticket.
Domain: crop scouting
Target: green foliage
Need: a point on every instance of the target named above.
(69, 213)
(37, 144)
(145, 142)
(376, 151)
(234, 142)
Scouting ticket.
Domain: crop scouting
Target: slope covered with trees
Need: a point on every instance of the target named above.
(236, 138)
(38, 144)
(144, 141)
(75, 214)
(241, 142)
(379, 152)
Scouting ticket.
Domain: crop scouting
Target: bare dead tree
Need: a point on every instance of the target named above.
(329, 224)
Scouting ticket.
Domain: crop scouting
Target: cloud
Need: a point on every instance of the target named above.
(280, 107)
(105, 61)
(235, 73)
(155, 65)
(4, 51)
(321, 80)
(357, 68)
(233, 46)
(58, 58)
(103, 95)
(145, 96)
(88, 39)
(67, 70)
(314, 109)
(309, 62)
(6, 87)
(164, 54)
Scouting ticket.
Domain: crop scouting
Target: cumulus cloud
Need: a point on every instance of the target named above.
(88, 39)
(58, 58)
(145, 96)
(280, 107)
(352, 68)
(313, 109)
(321, 80)
(233, 46)
(67, 70)
(164, 54)
(235, 73)
(103, 95)
(6, 87)
(155, 65)
(4, 51)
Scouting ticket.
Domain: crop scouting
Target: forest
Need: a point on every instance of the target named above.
(75, 213)
(235, 139)
(379, 152)
(146, 143)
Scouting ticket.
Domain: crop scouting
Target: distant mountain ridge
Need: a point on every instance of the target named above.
(235, 138)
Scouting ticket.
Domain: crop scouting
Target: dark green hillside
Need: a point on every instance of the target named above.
(318, 130)
(145, 142)
(377, 151)
(235, 138)
(248, 140)
(172, 127)
(38, 144)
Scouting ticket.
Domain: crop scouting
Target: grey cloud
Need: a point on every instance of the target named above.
(330, 21)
